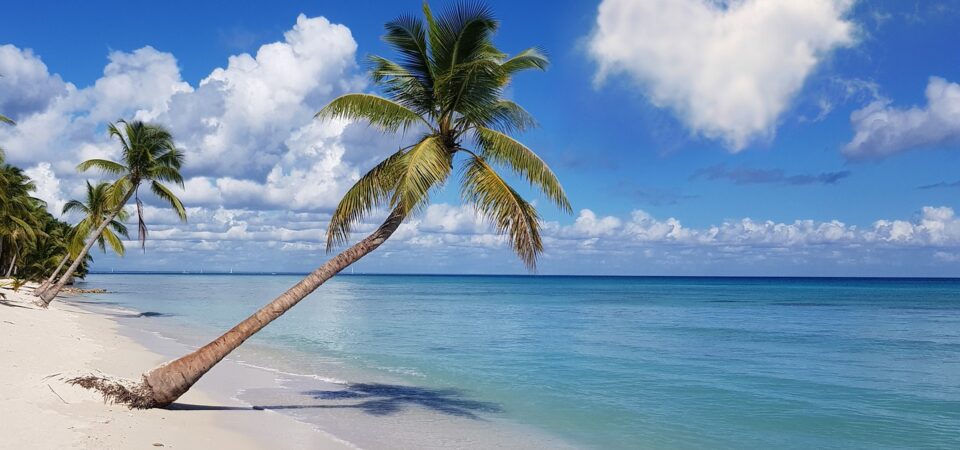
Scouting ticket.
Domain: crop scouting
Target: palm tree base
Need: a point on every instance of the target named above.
(119, 391)
(43, 300)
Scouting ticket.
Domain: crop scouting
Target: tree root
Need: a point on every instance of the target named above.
(118, 391)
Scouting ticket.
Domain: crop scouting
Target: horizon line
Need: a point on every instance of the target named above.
(414, 274)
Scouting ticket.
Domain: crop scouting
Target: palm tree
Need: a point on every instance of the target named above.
(148, 154)
(42, 257)
(18, 214)
(96, 210)
(448, 84)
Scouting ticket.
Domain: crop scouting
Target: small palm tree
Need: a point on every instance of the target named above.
(96, 209)
(448, 85)
(148, 154)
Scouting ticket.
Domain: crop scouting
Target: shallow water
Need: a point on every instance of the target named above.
(600, 362)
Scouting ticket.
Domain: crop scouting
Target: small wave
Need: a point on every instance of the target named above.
(157, 334)
(402, 371)
(291, 374)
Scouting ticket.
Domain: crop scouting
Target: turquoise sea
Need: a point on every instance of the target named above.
(599, 362)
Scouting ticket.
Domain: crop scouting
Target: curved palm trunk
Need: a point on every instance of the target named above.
(166, 383)
(13, 263)
(48, 295)
(53, 276)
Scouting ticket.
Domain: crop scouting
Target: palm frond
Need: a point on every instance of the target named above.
(502, 149)
(460, 34)
(114, 241)
(6, 120)
(166, 173)
(120, 228)
(105, 166)
(402, 86)
(510, 214)
(25, 228)
(424, 167)
(166, 195)
(407, 35)
(531, 58)
(369, 192)
(504, 116)
(118, 191)
(385, 114)
(75, 205)
(115, 132)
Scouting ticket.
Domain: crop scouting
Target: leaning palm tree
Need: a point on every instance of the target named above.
(95, 209)
(148, 154)
(448, 86)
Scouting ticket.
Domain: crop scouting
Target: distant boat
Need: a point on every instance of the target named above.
(231, 270)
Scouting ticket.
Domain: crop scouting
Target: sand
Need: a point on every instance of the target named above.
(40, 348)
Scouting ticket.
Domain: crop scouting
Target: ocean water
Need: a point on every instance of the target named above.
(598, 362)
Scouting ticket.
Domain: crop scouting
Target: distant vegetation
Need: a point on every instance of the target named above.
(32, 241)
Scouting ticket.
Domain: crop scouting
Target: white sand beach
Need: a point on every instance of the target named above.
(41, 348)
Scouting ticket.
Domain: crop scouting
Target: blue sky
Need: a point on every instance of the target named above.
(781, 115)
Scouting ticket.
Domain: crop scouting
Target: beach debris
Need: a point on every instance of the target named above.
(157, 444)
(74, 290)
(58, 395)
(117, 390)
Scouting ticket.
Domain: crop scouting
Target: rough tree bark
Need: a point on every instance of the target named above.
(53, 276)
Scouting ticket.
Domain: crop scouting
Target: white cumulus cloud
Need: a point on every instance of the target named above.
(247, 129)
(882, 129)
(727, 69)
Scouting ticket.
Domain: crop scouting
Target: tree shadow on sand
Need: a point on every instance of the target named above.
(377, 399)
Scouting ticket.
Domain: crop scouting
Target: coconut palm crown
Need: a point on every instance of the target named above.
(148, 155)
(95, 210)
(448, 85)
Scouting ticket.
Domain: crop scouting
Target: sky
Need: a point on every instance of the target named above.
(693, 137)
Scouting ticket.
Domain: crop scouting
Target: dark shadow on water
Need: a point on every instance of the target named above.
(148, 314)
(135, 315)
(376, 399)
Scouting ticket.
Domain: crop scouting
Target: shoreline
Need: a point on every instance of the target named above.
(257, 397)
(267, 377)
(45, 347)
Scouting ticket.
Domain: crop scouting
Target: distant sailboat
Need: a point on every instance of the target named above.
(231, 270)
